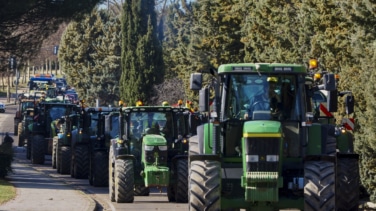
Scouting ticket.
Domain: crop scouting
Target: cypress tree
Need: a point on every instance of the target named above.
(142, 61)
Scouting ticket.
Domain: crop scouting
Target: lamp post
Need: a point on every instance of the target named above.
(13, 66)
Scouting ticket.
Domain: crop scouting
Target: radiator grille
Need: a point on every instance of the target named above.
(258, 150)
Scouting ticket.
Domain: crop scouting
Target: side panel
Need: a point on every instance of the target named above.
(314, 140)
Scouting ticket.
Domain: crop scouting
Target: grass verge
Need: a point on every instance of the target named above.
(7, 191)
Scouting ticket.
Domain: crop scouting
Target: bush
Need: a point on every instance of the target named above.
(6, 158)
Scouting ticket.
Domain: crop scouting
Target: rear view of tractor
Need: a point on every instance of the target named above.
(264, 149)
(39, 142)
(151, 151)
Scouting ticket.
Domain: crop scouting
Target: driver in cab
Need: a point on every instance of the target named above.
(268, 100)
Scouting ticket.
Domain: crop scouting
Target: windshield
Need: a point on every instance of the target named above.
(151, 122)
(115, 126)
(57, 112)
(254, 96)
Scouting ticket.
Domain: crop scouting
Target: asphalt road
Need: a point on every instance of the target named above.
(42, 182)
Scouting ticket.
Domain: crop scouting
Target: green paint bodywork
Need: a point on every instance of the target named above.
(157, 173)
(261, 186)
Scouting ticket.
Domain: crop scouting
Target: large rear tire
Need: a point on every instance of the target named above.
(100, 169)
(347, 184)
(204, 185)
(81, 162)
(124, 181)
(319, 188)
(65, 157)
(181, 187)
(38, 149)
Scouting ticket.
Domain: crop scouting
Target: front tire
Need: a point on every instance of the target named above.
(141, 190)
(81, 162)
(38, 149)
(204, 185)
(181, 187)
(65, 157)
(100, 169)
(124, 181)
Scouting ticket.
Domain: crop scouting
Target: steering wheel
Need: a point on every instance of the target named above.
(257, 103)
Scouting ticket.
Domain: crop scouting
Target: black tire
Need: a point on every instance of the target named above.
(124, 181)
(54, 148)
(181, 185)
(319, 188)
(21, 135)
(141, 190)
(111, 178)
(171, 192)
(331, 146)
(65, 159)
(28, 148)
(347, 184)
(58, 156)
(38, 149)
(81, 162)
(100, 169)
(204, 185)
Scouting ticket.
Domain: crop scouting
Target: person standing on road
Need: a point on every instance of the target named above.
(7, 138)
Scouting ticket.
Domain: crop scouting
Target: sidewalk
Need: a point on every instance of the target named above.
(39, 191)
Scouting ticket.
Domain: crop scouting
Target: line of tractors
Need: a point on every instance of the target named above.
(252, 144)
(129, 149)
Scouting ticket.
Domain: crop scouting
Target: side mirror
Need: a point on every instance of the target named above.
(204, 100)
(195, 81)
(329, 83)
(349, 104)
(332, 101)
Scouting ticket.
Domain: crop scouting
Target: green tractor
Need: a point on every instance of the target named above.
(80, 149)
(40, 140)
(70, 153)
(150, 151)
(263, 148)
(23, 116)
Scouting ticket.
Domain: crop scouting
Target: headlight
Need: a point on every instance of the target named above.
(272, 158)
(149, 148)
(120, 141)
(252, 158)
(162, 148)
